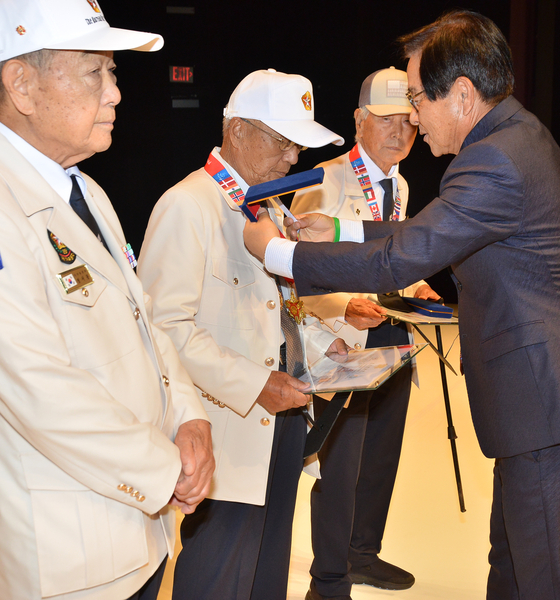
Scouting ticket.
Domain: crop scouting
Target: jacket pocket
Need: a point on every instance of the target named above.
(85, 296)
(83, 539)
(228, 301)
(233, 273)
(513, 338)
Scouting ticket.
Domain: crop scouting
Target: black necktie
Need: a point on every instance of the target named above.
(292, 334)
(388, 202)
(80, 207)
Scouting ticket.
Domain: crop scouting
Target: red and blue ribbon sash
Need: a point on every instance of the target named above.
(220, 174)
(362, 175)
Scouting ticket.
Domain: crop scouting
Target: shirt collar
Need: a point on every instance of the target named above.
(374, 172)
(51, 171)
(240, 181)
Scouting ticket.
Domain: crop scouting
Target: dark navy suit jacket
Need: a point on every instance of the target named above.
(497, 223)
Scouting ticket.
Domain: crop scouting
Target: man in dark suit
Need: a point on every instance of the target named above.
(496, 221)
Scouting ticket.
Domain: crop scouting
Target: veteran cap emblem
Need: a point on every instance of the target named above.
(94, 5)
(306, 99)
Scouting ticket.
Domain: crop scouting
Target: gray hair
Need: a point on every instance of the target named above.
(225, 125)
(40, 59)
(362, 116)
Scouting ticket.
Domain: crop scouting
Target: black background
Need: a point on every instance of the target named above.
(335, 44)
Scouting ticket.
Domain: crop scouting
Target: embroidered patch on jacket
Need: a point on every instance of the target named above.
(64, 253)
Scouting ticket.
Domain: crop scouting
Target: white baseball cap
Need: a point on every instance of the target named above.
(284, 103)
(384, 93)
(29, 25)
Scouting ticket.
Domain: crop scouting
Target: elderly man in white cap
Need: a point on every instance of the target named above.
(359, 459)
(92, 397)
(224, 313)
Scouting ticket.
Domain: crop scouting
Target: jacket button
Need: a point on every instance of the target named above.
(235, 281)
(271, 304)
(269, 362)
(165, 380)
(136, 314)
(459, 286)
(85, 292)
(204, 395)
(357, 346)
(129, 489)
(122, 487)
(265, 421)
(135, 493)
(140, 498)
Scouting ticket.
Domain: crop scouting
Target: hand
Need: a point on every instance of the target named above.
(425, 292)
(257, 235)
(195, 444)
(314, 227)
(281, 392)
(363, 314)
(338, 350)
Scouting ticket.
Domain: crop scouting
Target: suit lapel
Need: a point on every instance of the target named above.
(113, 240)
(35, 197)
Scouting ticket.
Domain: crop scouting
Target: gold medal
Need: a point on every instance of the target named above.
(295, 308)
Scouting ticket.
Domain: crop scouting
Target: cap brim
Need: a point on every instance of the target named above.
(306, 133)
(112, 38)
(383, 110)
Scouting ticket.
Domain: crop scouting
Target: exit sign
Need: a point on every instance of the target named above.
(181, 74)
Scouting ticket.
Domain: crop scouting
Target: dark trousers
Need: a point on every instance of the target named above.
(525, 527)
(236, 551)
(150, 590)
(359, 462)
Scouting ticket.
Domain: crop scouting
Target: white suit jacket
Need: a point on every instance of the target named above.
(340, 195)
(222, 311)
(86, 418)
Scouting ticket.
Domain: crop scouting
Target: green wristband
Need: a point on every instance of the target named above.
(336, 229)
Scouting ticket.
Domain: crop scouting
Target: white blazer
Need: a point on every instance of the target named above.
(222, 310)
(86, 418)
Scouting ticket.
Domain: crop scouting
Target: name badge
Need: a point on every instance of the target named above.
(75, 279)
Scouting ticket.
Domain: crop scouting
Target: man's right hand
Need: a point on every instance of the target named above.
(282, 392)
(194, 440)
(314, 227)
(363, 314)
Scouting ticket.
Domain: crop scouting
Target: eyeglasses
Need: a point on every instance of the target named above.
(411, 98)
(285, 144)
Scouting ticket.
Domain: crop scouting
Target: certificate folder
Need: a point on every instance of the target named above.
(363, 370)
